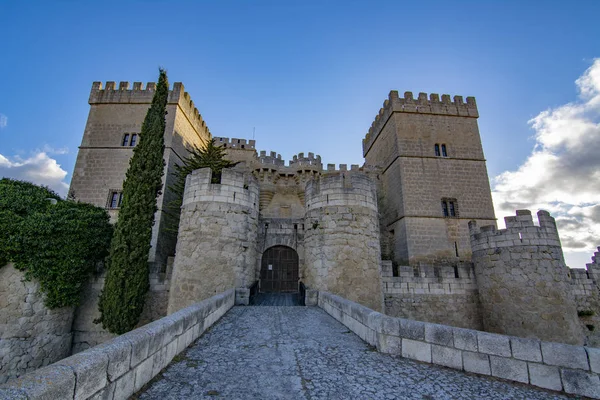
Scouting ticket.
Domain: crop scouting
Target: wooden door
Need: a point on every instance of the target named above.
(279, 270)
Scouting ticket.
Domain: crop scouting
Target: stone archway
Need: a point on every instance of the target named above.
(279, 270)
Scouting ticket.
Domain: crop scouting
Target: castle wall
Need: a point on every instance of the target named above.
(523, 282)
(341, 242)
(584, 285)
(216, 247)
(31, 335)
(281, 232)
(443, 295)
(415, 180)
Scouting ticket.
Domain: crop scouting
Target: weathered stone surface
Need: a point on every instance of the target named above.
(389, 344)
(490, 343)
(439, 334)
(90, 368)
(31, 335)
(508, 368)
(49, 383)
(465, 339)
(526, 349)
(416, 350)
(594, 359)
(581, 383)
(477, 363)
(564, 355)
(545, 376)
(312, 297)
(300, 352)
(446, 356)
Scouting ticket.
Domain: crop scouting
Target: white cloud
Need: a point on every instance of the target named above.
(51, 150)
(3, 121)
(562, 174)
(39, 169)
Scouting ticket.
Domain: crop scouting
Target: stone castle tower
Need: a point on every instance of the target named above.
(434, 177)
(392, 234)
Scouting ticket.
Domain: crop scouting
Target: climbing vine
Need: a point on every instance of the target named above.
(55, 242)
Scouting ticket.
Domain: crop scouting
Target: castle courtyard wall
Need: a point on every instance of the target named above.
(31, 334)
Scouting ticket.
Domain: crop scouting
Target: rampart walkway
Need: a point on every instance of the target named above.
(303, 353)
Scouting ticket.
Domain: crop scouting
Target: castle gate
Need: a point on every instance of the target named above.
(279, 270)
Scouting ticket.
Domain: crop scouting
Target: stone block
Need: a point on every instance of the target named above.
(157, 331)
(508, 368)
(388, 325)
(594, 358)
(125, 386)
(564, 355)
(447, 356)
(545, 376)
(242, 296)
(48, 383)
(410, 329)
(465, 339)
(118, 351)
(439, 334)
(90, 368)
(140, 342)
(526, 349)
(143, 373)
(105, 394)
(491, 343)
(311, 297)
(581, 383)
(476, 363)
(416, 350)
(389, 344)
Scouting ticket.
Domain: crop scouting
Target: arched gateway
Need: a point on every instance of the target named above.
(279, 270)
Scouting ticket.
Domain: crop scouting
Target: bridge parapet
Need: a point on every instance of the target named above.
(121, 366)
(549, 365)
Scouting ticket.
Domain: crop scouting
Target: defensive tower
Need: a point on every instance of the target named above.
(216, 245)
(341, 241)
(524, 284)
(434, 177)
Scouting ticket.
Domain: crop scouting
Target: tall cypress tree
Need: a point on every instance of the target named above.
(122, 299)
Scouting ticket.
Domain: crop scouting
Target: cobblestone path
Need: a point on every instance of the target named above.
(303, 353)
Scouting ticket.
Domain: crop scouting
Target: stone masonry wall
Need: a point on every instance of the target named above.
(523, 281)
(216, 248)
(415, 179)
(31, 335)
(341, 242)
(584, 284)
(443, 295)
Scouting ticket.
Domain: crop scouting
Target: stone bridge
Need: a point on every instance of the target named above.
(334, 349)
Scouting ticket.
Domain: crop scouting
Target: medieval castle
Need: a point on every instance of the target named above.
(411, 233)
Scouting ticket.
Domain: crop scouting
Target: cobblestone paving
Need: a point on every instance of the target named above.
(303, 353)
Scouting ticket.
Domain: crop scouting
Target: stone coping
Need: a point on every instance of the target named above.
(553, 366)
(120, 367)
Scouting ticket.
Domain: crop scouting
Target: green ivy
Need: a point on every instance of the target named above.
(56, 243)
(124, 294)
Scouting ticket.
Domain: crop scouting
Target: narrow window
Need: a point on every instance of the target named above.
(436, 272)
(115, 199)
(437, 150)
(416, 271)
(133, 139)
(451, 208)
(445, 208)
(125, 140)
(456, 275)
(444, 153)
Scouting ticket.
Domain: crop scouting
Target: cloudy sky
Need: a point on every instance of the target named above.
(311, 76)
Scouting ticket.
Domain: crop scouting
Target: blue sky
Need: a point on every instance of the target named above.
(311, 76)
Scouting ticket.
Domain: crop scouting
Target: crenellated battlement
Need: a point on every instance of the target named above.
(235, 188)
(520, 231)
(421, 105)
(272, 159)
(301, 161)
(345, 188)
(123, 94)
(235, 143)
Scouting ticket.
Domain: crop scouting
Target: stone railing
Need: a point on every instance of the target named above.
(554, 366)
(120, 367)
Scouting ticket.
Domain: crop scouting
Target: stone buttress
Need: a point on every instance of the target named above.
(216, 246)
(341, 242)
(524, 284)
